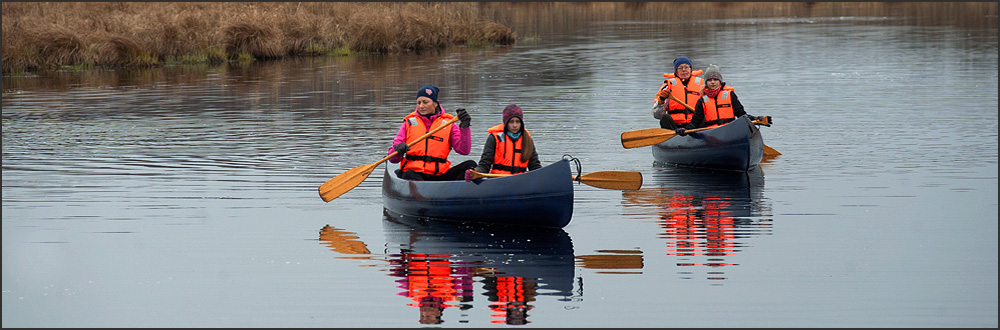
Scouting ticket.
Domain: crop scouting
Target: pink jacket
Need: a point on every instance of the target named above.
(461, 138)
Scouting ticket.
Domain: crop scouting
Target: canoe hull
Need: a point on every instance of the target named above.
(540, 198)
(736, 146)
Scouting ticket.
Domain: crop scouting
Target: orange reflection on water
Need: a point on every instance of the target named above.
(618, 260)
(703, 215)
(342, 241)
(432, 282)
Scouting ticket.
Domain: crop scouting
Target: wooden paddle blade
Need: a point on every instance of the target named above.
(344, 182)
(768, 151)
(646, 137)
(619, 180)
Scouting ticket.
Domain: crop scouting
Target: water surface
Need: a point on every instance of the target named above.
(187, 196)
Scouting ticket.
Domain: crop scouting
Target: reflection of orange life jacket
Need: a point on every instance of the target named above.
(427, 276)
(506, 155)
(689, 94)
(429, 156)
(719, 110)
(688, 223)
(510, 294)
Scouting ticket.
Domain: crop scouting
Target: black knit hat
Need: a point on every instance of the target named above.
(429, 91)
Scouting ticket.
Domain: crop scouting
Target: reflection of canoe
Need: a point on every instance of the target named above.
(541, 255)
(541, 198)
(736, 146)
(742, 191)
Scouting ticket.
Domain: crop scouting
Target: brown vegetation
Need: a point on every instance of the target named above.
(41, 36)
(44, 36)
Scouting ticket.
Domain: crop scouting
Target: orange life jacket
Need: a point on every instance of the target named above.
(429, 156)
(689, 94)
(506, 155)
(719, 110)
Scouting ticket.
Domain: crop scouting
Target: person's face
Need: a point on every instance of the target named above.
(713, 83)
(425, 106)
(683, 71)
(514, 125)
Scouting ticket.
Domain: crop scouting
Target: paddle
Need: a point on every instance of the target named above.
(619, 180)
(346, 181)
(768, 151)
(651, 136)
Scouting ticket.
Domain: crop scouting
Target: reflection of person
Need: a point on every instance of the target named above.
(510, 296)
(509, 149)
(432, 281)
(685, 85)
(428, 159)
(431, 309)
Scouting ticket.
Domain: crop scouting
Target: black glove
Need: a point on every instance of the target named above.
(762, 120)
(680, 131)
(401, 148)
(464, 117)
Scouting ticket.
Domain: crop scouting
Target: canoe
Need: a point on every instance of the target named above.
(735, 146)
(539, 198)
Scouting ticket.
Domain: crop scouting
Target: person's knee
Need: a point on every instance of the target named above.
(411, 175)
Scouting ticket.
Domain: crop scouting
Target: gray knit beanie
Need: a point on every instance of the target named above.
(713, 72)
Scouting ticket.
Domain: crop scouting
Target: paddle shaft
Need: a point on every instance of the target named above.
(346, 181)
(617, 180)
(767, 150)
(421, 138)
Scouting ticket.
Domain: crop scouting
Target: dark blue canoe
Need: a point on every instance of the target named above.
(540, 198)
(736, 146)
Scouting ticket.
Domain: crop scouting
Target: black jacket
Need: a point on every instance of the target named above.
(486, 161)
(698, 118)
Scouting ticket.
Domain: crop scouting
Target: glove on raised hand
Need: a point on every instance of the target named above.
(464, 117)
(401, 148)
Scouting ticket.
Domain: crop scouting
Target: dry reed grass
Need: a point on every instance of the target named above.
(52, 35)
(45, 36)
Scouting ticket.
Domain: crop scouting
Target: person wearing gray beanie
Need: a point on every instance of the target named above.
(718, 106)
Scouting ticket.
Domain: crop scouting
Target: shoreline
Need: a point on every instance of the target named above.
(43, 37)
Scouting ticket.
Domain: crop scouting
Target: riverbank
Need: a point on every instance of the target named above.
(56, 35)
(45, 36)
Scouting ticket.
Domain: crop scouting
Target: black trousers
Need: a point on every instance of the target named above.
(456, 172)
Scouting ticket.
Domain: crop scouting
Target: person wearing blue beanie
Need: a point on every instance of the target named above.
(429, 91)
(682, 60)
(683, 86)
(427, 160)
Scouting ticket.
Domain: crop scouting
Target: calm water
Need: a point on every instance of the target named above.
(187, 197)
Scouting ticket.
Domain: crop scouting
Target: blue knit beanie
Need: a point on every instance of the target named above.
(682, 60)
(429, 91)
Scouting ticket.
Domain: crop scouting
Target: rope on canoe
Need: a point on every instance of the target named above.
(577, 161)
